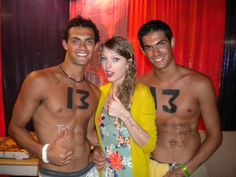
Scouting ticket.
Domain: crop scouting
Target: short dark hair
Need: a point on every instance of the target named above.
(152, 26)
(79, 21)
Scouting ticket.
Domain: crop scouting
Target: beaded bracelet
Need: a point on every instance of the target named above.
(185, 170)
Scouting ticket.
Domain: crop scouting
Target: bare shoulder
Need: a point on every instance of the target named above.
(41, 75)
(147, 78)
(196, 79)
(39, 79)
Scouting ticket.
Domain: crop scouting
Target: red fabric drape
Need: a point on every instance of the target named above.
(198, 28)
(2, 117)
(110, 16)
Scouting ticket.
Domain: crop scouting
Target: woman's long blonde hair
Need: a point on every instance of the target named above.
(123, 47)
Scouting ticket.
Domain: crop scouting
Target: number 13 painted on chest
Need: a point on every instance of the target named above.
(174, 93)
(84, 95)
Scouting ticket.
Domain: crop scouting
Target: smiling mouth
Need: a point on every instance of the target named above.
(158, 59)
(81, 54)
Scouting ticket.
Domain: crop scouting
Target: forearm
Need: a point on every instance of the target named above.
(93, 138)
(208, 147)
(140, 136)
(25, 140)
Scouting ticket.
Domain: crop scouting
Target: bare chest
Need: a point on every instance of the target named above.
(173, 102)
(66, 102)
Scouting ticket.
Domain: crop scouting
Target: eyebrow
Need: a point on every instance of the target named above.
(89, 38)
(156, 43)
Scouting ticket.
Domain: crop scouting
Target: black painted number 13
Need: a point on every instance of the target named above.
(174, 93)
(84, 95)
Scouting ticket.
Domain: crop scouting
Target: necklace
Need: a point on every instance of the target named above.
(83, 78)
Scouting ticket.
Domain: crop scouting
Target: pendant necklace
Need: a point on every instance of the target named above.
(69, 77)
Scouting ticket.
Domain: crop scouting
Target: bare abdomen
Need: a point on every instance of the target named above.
(176, 143)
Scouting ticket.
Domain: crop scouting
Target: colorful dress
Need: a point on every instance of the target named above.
(144, 113)
(116, 141)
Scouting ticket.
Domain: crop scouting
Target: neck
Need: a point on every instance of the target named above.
(114, 88)
(74, 79)
(169, 72)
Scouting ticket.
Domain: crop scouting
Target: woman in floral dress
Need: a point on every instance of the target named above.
(125, 118)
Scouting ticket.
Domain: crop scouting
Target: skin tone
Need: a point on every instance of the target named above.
(115, 66)
(62, 110)
(183, 95)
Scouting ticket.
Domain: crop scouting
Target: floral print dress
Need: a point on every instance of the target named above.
(117, 148)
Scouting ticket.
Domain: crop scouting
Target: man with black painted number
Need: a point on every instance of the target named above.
(181, 95)
(61, 103)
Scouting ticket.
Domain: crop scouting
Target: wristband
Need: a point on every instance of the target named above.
(44, 153)
(185, 170)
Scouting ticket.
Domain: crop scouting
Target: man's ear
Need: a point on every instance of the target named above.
(64, 44)
(173, 42)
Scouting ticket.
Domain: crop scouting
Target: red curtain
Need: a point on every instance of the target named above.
(110, 16)
(2, 117)
(198, 27)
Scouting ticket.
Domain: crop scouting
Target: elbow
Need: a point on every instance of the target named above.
(10, 130)
(150, 145)
(218, 138)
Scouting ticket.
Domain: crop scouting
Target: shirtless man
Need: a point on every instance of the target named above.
(61, 103)
(182, 95)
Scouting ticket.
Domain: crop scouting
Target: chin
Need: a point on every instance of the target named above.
(110, 80)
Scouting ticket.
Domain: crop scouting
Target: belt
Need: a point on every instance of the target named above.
(172, 166)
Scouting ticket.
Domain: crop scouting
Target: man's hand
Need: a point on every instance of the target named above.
(98, 158)
(175, 173)
(58, 153)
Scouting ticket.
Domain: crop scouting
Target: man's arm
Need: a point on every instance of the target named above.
(25, 105)
(97, 155)
(91, 131)
(29, 98)
(209, 112)
(208, 107)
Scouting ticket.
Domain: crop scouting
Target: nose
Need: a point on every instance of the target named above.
(155, 51)
(82, 45)
(108, 64)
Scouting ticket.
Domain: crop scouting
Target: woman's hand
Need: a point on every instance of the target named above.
(117, 109)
